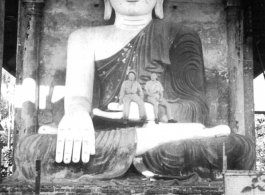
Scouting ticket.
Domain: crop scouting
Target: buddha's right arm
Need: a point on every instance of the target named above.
(80, 72)
(76, 131)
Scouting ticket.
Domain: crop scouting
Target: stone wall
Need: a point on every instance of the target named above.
(207, 17)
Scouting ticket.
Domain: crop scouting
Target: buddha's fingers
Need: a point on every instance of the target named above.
(85, 146)
(60, 145)
(92, 143)
(77, 146)
(68, 149)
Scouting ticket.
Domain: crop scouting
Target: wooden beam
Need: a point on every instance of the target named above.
(2, 30)
(235, 66)
(248, 73)
(240, 66)
(30, 77)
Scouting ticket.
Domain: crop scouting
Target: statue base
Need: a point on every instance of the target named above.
(115, 186)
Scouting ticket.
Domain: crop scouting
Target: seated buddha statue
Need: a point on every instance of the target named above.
(98, 60)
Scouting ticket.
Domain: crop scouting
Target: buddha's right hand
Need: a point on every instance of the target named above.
(75, 134)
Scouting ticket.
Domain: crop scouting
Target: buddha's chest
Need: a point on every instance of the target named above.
(111, 44)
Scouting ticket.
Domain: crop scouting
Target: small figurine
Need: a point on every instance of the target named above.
(154, 92)
(128, 93)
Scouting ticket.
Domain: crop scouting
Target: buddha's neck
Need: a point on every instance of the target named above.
(132, 22)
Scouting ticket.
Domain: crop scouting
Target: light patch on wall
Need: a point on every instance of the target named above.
(259, 93)
(26, 92)
(58, 93)
(44, 91)
(29, 87)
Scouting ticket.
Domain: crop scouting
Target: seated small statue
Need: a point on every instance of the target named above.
(154, 92)
(128, 94)
(101, 56)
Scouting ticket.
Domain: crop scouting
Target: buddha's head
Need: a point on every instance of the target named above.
(133, 7)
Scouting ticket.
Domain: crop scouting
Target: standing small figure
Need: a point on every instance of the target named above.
(129, 92)
(154, 92)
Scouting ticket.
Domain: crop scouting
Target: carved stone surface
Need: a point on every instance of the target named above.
(175, 53)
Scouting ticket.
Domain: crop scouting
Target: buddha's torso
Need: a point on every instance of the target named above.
(117, 51)
(168, 49)
(110, 39)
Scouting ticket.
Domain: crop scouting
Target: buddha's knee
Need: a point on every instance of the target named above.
(35, 147)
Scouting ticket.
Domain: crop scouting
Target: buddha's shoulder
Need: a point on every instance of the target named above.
(91, 32)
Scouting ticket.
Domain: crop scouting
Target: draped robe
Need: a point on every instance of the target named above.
(172, 51)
